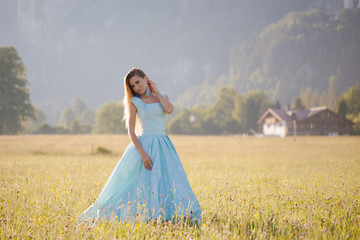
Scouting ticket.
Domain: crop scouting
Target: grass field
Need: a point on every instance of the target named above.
(248, 188)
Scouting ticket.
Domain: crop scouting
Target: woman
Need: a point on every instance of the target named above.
(149, 181)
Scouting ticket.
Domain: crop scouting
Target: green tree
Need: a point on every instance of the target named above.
(314, 99)
(352, 98)
(75, 127)
(298, 104)
(349, 105)
(221, 113)
(32, 124)
(47, 129)
(277, 104)
(323, 99)
(183, 123)
(87, 117)
(109, 118)
(331, 94)
(15, 106)
(253, 105)
(341, 107)
(66, 118)
(80, 107)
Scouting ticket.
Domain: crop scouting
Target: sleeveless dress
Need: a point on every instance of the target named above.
(133, 193)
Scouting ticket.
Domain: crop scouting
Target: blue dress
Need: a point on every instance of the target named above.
(133, 193)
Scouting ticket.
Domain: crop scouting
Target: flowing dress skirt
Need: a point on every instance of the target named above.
(133, 193)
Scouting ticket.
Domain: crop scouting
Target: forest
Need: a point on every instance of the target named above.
(304, 53)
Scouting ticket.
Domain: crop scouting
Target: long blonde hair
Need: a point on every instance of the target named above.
(129, 92)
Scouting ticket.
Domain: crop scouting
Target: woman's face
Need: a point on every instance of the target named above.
(138, 84)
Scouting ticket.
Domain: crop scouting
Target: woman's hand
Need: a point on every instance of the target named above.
(166, 104)
(153, 87)
(146, 160)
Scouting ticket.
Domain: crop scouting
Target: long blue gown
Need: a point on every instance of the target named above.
(133, 193)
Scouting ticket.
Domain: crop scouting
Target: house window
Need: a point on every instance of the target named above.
(312, 125)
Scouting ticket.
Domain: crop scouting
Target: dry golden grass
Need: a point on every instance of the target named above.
(258, 188)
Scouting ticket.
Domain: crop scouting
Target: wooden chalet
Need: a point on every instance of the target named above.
(313, 121)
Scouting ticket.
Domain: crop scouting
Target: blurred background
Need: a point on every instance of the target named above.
(76, 54)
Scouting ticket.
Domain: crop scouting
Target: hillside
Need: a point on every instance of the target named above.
(302, 50)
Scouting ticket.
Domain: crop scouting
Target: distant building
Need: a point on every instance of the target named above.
(313, 121)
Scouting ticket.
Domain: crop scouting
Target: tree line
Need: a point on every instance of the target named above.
(231, 112)
(82, 120)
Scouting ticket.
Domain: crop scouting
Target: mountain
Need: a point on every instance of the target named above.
(314, 49)
(83, 49)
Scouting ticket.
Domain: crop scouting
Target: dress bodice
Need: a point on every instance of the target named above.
(151, 117)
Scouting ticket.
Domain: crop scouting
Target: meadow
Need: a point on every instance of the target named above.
(248, 188)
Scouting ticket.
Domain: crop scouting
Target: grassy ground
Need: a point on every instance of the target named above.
(248, 188)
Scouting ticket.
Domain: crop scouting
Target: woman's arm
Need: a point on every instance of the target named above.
(166, 104)
(134, 139)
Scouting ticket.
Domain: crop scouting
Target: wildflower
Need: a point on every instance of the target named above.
(60, 232)
(204, 224)
(72, 219)
(319, 227)
(143, 204)
(129, 203)
(127, 225)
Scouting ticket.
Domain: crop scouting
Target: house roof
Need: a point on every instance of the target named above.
(297, 115)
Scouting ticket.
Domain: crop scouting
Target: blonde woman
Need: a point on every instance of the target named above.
(149, 181)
